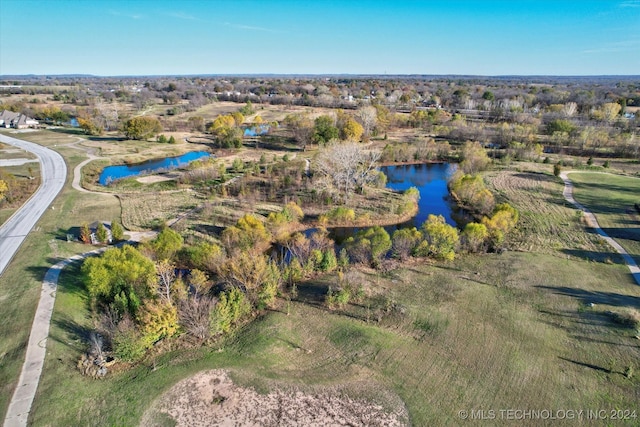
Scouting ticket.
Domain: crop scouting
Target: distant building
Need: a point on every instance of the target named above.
(9, 119)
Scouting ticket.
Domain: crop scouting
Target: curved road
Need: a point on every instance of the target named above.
(593, 223)
(53, 171)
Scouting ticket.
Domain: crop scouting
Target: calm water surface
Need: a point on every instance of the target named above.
(112, 173)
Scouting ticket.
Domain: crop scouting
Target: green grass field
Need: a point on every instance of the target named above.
(611, 198)
(492, 332)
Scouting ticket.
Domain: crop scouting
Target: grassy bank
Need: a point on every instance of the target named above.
(487, 332)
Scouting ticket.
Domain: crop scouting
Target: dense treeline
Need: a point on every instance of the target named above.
(584, 115)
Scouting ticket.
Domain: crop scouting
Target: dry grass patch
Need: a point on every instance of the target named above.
(547, 222)
(142, 211)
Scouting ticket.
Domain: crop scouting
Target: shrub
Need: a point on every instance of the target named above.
(474, 237)
(117, 233)
(369, 245)
(557, 169)
(231, 307)
(339, 214)
(404, 241)
(440, 239)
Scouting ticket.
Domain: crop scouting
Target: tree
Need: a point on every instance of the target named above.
(504, 219)
(166, 279)
(607, 112)
(324, 130)
(142, 127)
(247, 109)
(3, 188)
(231, 307)
(166, 244)
(368, 117)
(117, 233)
(369, 245)
(474, 158)
(204, 256)
(246, 271)
(121, 277)
(196, 123)
(194, 316)
(488, 95)
(101, 233)
(351, 130)
(474, 236)
(249, 234)
(301, 127)
(404, 242)
(85, 234)
(158, 320)
(226, 131)
(346, 168)
(440, 239)
(89, 126)
(560, 126)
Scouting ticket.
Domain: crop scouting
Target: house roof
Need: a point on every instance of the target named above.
(16, 119)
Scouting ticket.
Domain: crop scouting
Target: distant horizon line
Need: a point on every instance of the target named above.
(385, 75)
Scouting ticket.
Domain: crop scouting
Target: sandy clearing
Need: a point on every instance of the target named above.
(150, 179)
(210, 398)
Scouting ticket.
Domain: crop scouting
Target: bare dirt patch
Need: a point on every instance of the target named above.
(211, 398)
(156, 178)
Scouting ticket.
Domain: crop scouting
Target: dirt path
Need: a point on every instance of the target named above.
(593, 223)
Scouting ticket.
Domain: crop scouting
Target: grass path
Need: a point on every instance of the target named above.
(593, 223)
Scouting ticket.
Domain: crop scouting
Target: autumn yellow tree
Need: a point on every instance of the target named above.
(3, 189)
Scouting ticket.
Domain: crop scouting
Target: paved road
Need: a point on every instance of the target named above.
(593, 223)
(54, 172)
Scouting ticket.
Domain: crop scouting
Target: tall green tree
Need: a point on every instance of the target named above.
(324, 130)
(142, 127)
(121, 278)
(167, 244)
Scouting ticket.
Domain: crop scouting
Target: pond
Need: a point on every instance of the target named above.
(256, 130)
(112, 173)
(431, 181)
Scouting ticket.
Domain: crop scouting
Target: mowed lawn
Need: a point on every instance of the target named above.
(612, 198)
(510, 331)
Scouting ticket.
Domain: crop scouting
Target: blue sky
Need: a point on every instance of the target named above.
(144, 37)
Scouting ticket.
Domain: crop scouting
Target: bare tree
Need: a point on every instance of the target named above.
(368, 117)
(345, 168)
(166, 278)
(194, 316)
